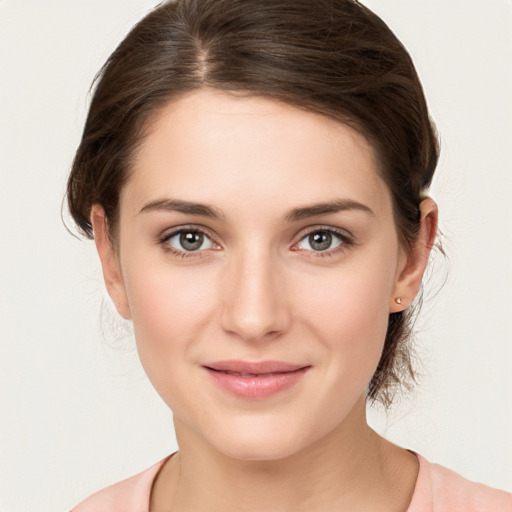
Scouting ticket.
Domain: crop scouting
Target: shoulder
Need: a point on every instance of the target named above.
(130, 495)
(440, 489)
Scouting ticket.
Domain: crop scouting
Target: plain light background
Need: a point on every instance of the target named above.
(77, 412)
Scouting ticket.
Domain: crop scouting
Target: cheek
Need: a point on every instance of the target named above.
(170, 309)
(349, 313)
(339, 315)
(355, 295)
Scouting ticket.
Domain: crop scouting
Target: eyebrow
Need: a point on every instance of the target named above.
(300, 213)
(175, 205)
(338, 205)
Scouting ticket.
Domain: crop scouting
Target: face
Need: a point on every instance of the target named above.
(259, 261)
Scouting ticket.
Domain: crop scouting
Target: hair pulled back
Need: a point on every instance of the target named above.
(333, 57)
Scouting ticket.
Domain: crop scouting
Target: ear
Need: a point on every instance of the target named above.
(415, 261)
(109, 262)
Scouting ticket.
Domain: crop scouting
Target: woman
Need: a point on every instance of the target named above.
(255, 177)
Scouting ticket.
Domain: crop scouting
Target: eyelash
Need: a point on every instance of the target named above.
(346, 241)
(183, 254)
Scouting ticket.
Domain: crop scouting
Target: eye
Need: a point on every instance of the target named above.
(322, 240)
(188, 240)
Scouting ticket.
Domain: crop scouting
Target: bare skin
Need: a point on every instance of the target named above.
(331, 475)
(256, 183)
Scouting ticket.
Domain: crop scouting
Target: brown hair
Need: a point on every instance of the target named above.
(333, 57)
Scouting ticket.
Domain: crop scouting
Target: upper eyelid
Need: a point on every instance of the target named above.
(341, 232)
(344, 233)
(170, 232)
(203, 229)
(164, 238)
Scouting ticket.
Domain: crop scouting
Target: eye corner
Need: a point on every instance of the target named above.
(342, 238)
(204, 241)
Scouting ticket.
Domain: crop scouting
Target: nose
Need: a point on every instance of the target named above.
(255, 305)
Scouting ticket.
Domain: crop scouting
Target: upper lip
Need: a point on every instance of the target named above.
(255, 368)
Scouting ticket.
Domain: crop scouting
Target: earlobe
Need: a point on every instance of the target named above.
(109, 262)
(411, 273)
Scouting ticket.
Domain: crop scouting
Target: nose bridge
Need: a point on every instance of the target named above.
(254, 305)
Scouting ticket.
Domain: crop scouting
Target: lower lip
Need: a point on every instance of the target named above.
(257, 386)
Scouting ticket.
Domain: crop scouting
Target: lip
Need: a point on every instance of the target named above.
(255, 380)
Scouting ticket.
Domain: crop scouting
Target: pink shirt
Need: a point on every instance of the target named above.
(438, 489)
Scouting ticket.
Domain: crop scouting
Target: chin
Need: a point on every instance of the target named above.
(263, 450)
(261, 440)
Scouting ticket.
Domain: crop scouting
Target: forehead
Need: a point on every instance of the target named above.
(214, 147)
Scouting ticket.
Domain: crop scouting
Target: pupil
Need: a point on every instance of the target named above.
(191, 241)
(320, 241)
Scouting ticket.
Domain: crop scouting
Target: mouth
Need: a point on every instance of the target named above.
(255, 380)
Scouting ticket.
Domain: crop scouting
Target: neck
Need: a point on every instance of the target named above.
(350, 469)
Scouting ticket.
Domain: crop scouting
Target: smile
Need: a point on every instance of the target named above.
(239, 374)
(255, 380)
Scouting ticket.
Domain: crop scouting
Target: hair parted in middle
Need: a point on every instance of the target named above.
(332, 57)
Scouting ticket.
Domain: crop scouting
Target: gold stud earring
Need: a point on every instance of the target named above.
(398, 300)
